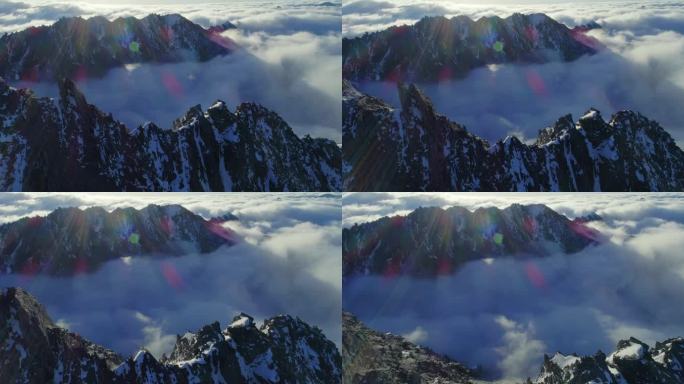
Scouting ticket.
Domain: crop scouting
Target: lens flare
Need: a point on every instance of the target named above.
(536, 83)
(134, 238)
(172, 276)
(535, 275)
(134, 46)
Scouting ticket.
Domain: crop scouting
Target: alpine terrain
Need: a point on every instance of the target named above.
(70, 240)
(77, 48)
(438, 48)
(282, 350)
(70, 145)
(370, 357)
(435, 241)
(414, 148)
(633, 362)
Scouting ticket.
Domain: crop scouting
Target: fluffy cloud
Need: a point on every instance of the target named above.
(642, 67)
(503, 315)
(289, 266)
(290, 63)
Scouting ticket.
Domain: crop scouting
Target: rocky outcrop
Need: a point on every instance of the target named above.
(371, 357)
(414, 148)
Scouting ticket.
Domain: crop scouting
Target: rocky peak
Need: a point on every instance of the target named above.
(213, 151)
(70, 240)
(450, 48)
(414, 245)
(421, 150)
(36, 352)
(373, 357)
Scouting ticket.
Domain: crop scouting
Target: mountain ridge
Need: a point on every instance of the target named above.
(437, 48)
(414, 148)
(77, 48)
(71, 240)
(283, 349)
(432, 241)
(77, 147)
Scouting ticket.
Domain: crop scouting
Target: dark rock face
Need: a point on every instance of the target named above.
(70, 145)
(77, 48)
(437, 48)
(282, 350)
(371, 357)
(633, 362)
(434, 241)
(416, 149)
(36, 351)
(71, 241)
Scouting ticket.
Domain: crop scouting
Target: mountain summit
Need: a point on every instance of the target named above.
(435, 241)
(71, 240)
(414, 148)
(76, 48)
(438, 48)
(282, 350)
(70, 145)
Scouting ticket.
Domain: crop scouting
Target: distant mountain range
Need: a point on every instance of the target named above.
(633, 362)
(435, 241)
(282, 350)
(438, 48)
(70, 145)
(76, 48)
(372, 357)
(414, 148)
(70, 240)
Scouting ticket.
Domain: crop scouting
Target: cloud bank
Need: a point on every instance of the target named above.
(288, 263)
(290, 63)
(504, 315)
(642, 67)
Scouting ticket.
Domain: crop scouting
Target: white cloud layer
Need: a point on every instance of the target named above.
(504, 315)
(642, 67)
(289, 263)
(291, 62)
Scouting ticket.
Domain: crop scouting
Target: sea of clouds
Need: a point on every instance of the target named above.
(641, 68)
(288, 262)
(505, 315)
(290, 61)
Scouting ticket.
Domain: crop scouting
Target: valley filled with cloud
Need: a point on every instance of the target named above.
(289, 61)
(640, 68)
(286, 262)
(503, 315)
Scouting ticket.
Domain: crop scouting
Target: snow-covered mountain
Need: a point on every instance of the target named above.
(372, 357)
(435, 241)
(414, 148)
(633, 362)
(70, 240)
(76, 48)
(438, 48)
(70, 145)
(282, 350)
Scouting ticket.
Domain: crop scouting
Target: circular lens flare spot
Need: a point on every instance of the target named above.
(498, 46)
(498, 238)
(134, 46)
(134, 238)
